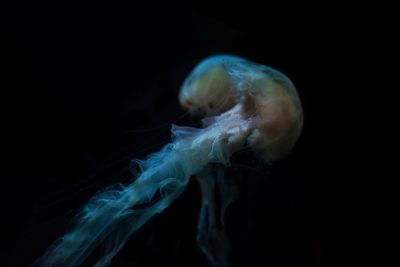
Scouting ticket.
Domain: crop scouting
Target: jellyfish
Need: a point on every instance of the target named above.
(245, 105)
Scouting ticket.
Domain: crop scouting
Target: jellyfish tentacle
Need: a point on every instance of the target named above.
(228, 192)
(111, 218)
(116, 213)
(211, 237)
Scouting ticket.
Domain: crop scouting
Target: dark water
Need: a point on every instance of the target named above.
(86, 88)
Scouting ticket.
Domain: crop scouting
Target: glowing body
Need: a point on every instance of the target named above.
(257, 107)
(268, 97)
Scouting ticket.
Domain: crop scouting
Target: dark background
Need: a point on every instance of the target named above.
(86, 88)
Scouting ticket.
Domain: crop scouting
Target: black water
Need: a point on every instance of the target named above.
(85, 88)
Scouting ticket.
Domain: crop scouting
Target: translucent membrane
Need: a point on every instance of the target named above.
(247, 104)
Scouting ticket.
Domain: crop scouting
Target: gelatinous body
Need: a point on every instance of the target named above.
(247, 105)
(268, 100)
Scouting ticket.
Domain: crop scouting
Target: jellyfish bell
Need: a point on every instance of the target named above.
(263, 97)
